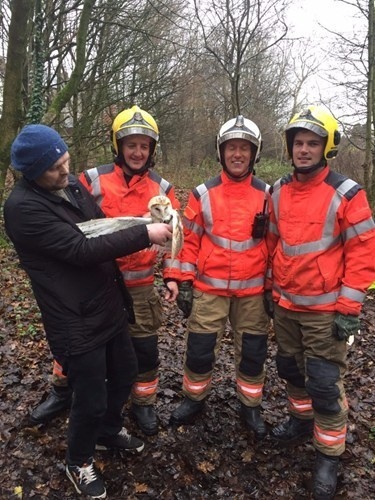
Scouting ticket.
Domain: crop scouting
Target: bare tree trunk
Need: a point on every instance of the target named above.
(12, 96)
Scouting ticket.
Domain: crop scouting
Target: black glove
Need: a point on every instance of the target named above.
(269, 304)
(345, 325)
(185, 297)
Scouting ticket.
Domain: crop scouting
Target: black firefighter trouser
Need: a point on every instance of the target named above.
(206, 328)
(313, 362)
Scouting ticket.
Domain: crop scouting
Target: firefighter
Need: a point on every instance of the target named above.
(124, 188)
(223, 264)
(321, 247)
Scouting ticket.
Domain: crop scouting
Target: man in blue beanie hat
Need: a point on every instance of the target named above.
(80, 293)
(37, 148)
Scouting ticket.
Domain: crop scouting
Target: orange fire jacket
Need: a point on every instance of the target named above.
(116, 198)
(219, 253)
(321, 243)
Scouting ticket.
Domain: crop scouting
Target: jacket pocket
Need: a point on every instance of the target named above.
(331, 272)
(148, 312)
(355, 219)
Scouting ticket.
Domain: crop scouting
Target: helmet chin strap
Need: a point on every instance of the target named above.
(308, 170)
(238, 178)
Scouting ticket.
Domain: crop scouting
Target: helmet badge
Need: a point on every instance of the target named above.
(239, 121)
(137, 117)
(306, 113)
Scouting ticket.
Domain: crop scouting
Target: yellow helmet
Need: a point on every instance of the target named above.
(134, 121)
(317, 120)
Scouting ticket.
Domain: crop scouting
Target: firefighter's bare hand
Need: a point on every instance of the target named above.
(159, 233)
(171, 291)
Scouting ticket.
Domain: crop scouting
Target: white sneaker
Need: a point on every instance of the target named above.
(86, 479)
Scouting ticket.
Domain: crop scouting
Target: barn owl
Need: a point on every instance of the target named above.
(160, 211)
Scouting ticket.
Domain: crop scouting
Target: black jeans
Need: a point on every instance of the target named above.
(101, 381)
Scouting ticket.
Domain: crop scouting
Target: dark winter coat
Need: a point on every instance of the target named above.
(73, 278)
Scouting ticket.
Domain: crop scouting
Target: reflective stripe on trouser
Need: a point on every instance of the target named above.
(57, 377)
(206, 327)
(299, 405)
(250, 393)
(329, 439)
(144, 392)
(148, 318)
(307, 339)
(196, 389)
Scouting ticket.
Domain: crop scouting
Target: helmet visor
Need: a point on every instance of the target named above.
(309, 126)
(238, 134)
(139, 130)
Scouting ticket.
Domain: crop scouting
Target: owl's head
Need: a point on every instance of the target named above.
(161, 209)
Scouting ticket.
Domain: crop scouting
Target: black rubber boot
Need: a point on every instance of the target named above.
(325, 476)
(58, 400)
(293, 429)
(146, 418)
(186, 412)
(254, 421)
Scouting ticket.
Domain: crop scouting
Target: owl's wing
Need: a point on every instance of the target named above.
(178, 234)
(97, 227)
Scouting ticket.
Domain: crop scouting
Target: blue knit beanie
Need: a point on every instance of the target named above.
(36, 149)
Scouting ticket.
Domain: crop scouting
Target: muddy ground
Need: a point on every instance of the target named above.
(214, 459)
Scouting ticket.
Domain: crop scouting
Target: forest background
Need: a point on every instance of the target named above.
(74, 64)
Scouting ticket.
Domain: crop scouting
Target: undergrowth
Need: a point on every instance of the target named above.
(187, 177)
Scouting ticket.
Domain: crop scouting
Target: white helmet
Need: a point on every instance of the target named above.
(240, 128)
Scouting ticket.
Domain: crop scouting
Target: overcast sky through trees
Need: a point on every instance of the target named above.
(310, 19)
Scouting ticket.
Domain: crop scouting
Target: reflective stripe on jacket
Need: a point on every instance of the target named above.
(321, 244)
(115, 197)
(219, 253)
